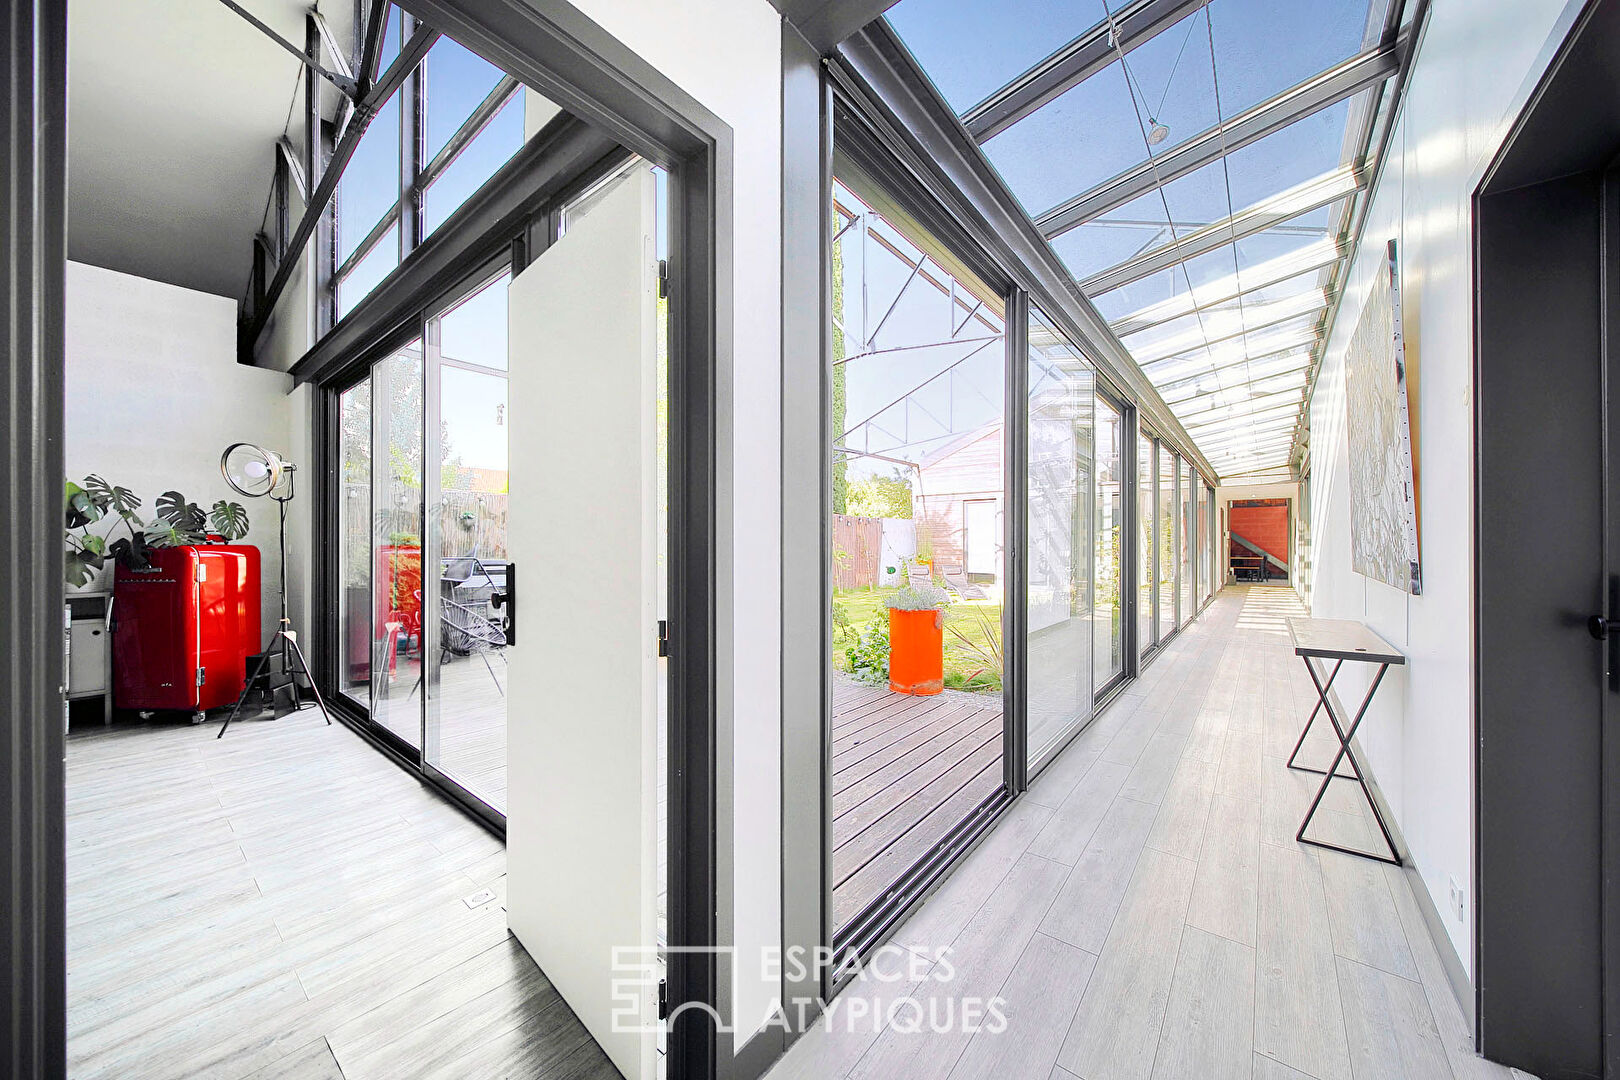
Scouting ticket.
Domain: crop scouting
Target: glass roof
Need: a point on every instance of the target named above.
(1193, 170)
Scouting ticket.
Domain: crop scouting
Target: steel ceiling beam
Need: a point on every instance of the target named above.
(1311, 195)
(409, 57)
(1263, 384)
(1255, 319)
(1134, 24)
(295, 167)
(1311, 96)
(1272, 272)
(1257, 420)
(311, 60)
(1269, 447)
(1254, 405)
(1224, 353)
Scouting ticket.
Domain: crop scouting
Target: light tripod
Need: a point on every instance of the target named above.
(256, 472)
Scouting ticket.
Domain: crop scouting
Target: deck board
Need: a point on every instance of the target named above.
(906, 770)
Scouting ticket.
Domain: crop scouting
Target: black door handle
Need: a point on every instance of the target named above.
(507, 598)
(1598, 627)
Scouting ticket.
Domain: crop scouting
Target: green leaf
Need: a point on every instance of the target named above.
(80, 566)
(131, 552)
(229, 519)
(120, 499)
(178, 511)
(167, 534)
(95, 544)
(79, 509)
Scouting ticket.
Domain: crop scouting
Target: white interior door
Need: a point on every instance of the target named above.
(582, 706)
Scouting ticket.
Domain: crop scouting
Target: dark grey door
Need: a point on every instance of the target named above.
(1548, 548)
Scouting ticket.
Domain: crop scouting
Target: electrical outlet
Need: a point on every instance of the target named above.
(479, 898)
(1457, 901)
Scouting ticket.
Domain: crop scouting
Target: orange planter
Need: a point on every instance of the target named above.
(916, 651)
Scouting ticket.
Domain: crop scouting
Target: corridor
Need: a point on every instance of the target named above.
(1145, 912)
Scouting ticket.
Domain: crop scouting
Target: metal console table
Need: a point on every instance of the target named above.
(1341, 640)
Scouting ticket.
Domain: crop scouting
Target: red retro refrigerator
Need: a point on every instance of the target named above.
(184, 629)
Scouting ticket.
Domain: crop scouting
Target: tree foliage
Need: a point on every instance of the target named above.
(880, 496)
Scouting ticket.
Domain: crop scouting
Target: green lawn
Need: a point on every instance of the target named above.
(973, 664)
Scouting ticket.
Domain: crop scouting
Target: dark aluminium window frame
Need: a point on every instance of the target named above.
(863, 145)
(416, 173)
(616, 103)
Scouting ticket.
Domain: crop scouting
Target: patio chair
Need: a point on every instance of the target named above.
(466, 631)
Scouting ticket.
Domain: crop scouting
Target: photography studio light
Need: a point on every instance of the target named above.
(256, 472)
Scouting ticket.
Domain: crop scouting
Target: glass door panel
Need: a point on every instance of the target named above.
(1202, 551)
(1108, 629)
(1164, 523)
(1212, 564)
(469, 487)
(1058, 577)
(1146, 503)
(354, 542)
(918, 377)
(396, 543)
(1184, 542)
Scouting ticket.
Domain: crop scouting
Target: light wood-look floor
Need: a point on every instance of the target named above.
(905, 771)
(1146, 913)
(285, 903)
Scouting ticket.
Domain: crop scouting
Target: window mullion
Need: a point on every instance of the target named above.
(412, 137)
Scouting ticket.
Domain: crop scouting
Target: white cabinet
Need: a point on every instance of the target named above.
(89, 649)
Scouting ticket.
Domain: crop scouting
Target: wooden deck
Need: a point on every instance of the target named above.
(905, 770)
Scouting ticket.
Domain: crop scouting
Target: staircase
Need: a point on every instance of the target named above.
(1251, 562)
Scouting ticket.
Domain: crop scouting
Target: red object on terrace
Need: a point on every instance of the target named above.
(916, 651)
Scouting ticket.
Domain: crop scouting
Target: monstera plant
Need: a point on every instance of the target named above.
(179, 521)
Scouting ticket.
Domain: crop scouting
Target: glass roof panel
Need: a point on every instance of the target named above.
(1099, 128)
(1262, 47)
(1229, 334)
(1006, 39)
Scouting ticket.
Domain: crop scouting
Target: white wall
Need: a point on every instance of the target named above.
(154, 394)
(1471, 66)
(727, 54)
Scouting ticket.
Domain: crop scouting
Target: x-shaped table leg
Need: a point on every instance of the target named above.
(1321, 696)
(1358, 773)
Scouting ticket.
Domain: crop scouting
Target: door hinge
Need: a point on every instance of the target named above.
(663, 637)
(202, 675)
(663, 279)
(663, 999)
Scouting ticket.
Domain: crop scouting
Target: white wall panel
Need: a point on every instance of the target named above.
(1473, 63)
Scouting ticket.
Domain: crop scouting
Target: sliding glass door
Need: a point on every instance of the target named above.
(1108, 631)
(1146, 547)
(1164, 523)
(468, 484)
(423, 566)
(1058, 591)
(916, 549)
(1185, 542)
(396, 543)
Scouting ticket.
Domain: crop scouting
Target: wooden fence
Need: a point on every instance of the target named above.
(857, 544)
